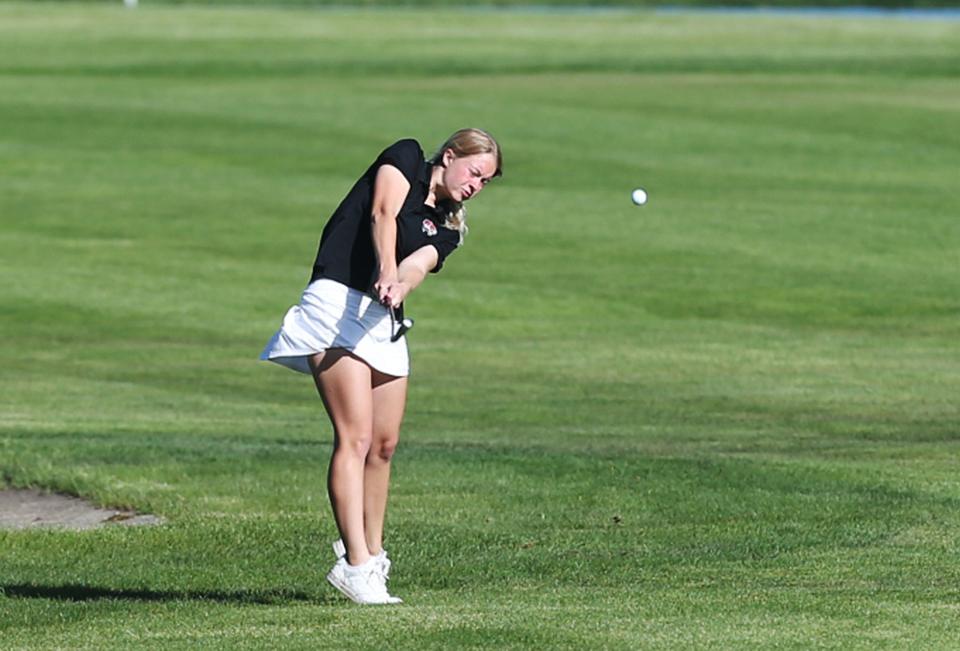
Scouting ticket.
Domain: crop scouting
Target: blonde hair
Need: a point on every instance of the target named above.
(465, 142)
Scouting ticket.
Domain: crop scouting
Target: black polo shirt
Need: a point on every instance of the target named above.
(346, 252)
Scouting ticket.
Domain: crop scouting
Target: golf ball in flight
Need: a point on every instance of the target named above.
(639, 196)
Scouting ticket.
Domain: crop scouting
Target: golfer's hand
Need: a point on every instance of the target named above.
(382, 287)
(396, 293)
(410, 273)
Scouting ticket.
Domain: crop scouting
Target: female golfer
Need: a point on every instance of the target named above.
(400, 220)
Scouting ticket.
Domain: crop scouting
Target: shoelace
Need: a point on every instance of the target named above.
(384, 566)
(373, 580)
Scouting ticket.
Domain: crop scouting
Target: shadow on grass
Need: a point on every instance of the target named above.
(93, 593)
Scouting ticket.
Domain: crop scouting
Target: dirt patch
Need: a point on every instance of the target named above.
(26, 509)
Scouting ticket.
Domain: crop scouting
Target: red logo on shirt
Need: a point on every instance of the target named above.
(429, 228)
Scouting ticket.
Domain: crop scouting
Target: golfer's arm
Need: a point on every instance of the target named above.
(390, 189)
(415, 267)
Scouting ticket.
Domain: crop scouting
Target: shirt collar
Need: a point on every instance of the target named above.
(426, 171)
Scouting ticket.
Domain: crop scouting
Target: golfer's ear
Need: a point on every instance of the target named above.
(448, 157)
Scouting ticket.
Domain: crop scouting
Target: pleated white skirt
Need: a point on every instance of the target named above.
(332, 315)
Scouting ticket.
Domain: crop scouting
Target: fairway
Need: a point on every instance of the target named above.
(726, 419)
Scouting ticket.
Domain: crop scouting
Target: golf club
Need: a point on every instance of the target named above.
(398, 328)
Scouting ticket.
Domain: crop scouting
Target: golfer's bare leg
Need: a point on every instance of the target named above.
(389, 400)
(344, 383)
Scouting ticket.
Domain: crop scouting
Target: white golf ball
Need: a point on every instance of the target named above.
(639, 196)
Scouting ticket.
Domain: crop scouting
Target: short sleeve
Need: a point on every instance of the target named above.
(405, 155)
(446, 242)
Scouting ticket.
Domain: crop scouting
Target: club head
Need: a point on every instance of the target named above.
(399, 328)
(402, 329)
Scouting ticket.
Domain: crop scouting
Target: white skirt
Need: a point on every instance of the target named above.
(332, 315)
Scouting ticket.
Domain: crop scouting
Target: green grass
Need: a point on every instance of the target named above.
(550, 5)
(725, 420)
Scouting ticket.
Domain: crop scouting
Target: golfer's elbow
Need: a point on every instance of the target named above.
(380, 215)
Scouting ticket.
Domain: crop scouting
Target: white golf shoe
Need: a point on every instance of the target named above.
(377, 570)
(361, 584)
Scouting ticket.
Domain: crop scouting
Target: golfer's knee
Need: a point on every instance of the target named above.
(354, 444)
(384, 448)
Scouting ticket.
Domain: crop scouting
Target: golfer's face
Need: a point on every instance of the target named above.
(465, 176)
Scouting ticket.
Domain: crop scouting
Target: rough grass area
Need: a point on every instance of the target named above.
(727, 419)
